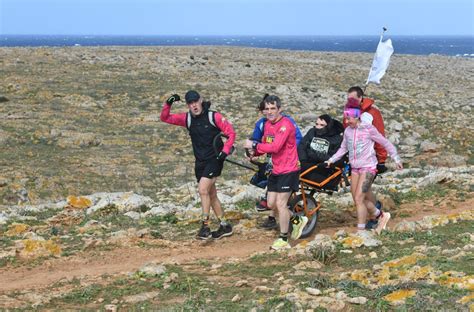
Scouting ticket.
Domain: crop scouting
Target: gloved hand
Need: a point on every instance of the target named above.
(222, 156)
(381, 168)
(173, 99)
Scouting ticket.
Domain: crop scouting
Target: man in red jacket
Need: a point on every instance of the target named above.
(367, 106)
(373, 115)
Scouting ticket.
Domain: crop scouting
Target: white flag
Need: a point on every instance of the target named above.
(381, 61)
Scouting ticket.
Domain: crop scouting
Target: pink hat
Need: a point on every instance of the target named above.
(352, 112)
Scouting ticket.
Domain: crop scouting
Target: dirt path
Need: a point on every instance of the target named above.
(129, 259)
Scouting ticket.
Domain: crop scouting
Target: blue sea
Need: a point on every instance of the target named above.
(421, 45)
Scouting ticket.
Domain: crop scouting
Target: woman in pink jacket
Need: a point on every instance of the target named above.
(359, 139)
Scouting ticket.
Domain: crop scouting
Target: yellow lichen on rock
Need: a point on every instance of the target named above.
(407, 260)
(234, 215)
(33, 248)
(352, 242)
(399, 296)
(466, 299)
(79, 202)
(361, 276)
(464, 282)
(16, 229)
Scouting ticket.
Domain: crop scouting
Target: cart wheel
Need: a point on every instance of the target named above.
(296, 205)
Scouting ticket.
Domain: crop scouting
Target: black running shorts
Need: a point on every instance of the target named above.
(208, 169)
(283, 183)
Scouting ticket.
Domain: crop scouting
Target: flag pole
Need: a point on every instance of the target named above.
(384, 29)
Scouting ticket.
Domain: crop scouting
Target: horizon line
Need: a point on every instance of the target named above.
(244, 35)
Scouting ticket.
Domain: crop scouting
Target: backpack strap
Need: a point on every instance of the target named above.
(212, 120)
(188, 120)
(210, 116)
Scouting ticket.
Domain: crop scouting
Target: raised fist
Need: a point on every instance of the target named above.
(173, 99)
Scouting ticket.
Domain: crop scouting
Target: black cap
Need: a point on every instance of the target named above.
(192, 96)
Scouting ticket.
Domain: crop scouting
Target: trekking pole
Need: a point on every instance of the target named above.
(241, 165)
(216, 150)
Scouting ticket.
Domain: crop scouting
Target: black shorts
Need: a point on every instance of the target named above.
(283, 183)
(208, 169)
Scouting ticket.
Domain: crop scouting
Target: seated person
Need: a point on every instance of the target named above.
(318, 145)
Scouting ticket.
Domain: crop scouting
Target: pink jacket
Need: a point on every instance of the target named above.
(279, 140)
(359, 142)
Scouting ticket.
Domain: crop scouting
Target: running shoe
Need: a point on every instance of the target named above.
(298, 227)
(261, 206)
(222, 231)
(372, 224)
(204, 232)
(280, 244)
(269, 224)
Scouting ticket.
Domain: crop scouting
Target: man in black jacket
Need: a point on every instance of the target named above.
(320, 143)
(203, 126)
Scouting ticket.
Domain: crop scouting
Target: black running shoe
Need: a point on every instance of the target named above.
(372, 224)
(204, 233)
(262, 206)
(269, 224)
(222, 231)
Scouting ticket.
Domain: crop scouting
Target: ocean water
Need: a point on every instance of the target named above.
(421, 45)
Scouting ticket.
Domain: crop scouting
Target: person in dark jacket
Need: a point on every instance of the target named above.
(203, 126)
(320, 143)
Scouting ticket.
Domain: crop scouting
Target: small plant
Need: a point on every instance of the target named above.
(324, 254)
(320, 282)
(157, 220)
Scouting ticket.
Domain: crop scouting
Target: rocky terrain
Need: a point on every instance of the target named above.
(98, 203)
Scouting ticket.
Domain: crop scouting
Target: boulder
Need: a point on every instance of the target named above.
(152, 269)
(429, 147)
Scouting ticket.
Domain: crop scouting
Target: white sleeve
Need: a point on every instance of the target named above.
(366, 118)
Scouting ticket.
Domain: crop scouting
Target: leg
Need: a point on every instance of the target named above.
(371, 196)
(204, 188)
(358, 196)
(270, 223)
(215, 202)
(272, 200)
(284, 213)
(281, 201)
(225, 228)
(367, 191)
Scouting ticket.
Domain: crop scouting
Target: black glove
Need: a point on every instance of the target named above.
(173, 99)
(381, 168)
(222, 156)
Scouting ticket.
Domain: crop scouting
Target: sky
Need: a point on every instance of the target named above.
(236, 17)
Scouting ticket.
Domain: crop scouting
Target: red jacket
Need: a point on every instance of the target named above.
(367, 107)
(279, 140)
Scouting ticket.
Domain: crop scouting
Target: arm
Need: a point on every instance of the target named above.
(340, 152)
(377, 137)
(226, 127)
(258, 130)
(174, 119)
